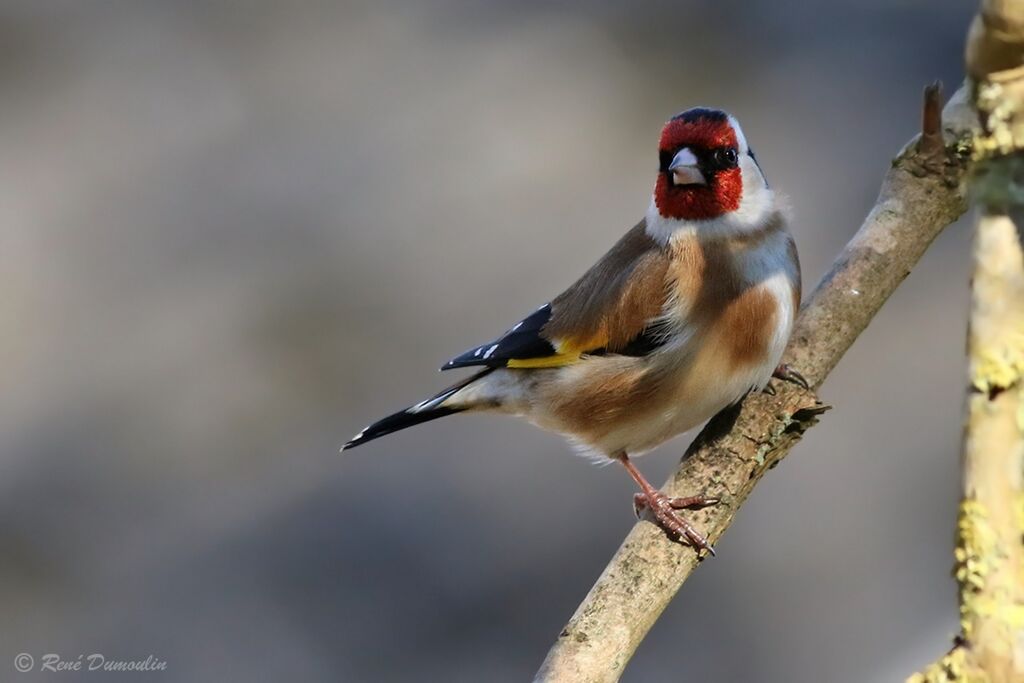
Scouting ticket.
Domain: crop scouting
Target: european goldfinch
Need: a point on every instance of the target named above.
(686, 314)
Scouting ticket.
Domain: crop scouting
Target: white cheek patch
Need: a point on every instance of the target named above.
(741, 140)
(757, 199)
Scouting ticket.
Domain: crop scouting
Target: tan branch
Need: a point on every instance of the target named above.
(990, 552)
(995, 41)
(920, 195)
(990, 531)
(989, 548)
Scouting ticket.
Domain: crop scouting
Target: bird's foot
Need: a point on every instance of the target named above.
(663, 510)
(788, 374)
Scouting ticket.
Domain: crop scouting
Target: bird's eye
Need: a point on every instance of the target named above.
(725, 158)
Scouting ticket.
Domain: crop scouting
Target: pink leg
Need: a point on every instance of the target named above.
(663, 508)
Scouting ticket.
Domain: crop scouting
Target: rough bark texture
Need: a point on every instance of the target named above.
(920, 195)
(989, 543)
(990, 531)
(990, 550)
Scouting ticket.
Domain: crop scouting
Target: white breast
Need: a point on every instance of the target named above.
(633, 404)
(772, 268)
(705, 382)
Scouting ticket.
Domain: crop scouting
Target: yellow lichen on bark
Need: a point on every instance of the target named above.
(990, 530)
(976, 543)
(990, 548)
(950, 669)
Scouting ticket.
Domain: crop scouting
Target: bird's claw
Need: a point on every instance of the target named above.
(683, 503)
(787, 374)
(663, 510)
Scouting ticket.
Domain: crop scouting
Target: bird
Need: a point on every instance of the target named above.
(684, 316)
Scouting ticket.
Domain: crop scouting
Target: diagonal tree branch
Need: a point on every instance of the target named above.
(920, 195)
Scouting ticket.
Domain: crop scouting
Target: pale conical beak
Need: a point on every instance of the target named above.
(684, 168)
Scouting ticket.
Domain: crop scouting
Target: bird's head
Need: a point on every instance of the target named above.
(706, 168)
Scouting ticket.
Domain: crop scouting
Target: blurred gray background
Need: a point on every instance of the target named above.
(235, 232)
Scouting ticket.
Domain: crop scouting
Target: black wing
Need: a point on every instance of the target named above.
(523, 341)
(524, 346)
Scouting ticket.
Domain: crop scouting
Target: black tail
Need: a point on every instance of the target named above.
(425, 411)
(393, 423)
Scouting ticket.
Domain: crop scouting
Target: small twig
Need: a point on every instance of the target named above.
(737, 448)
(931, 146)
